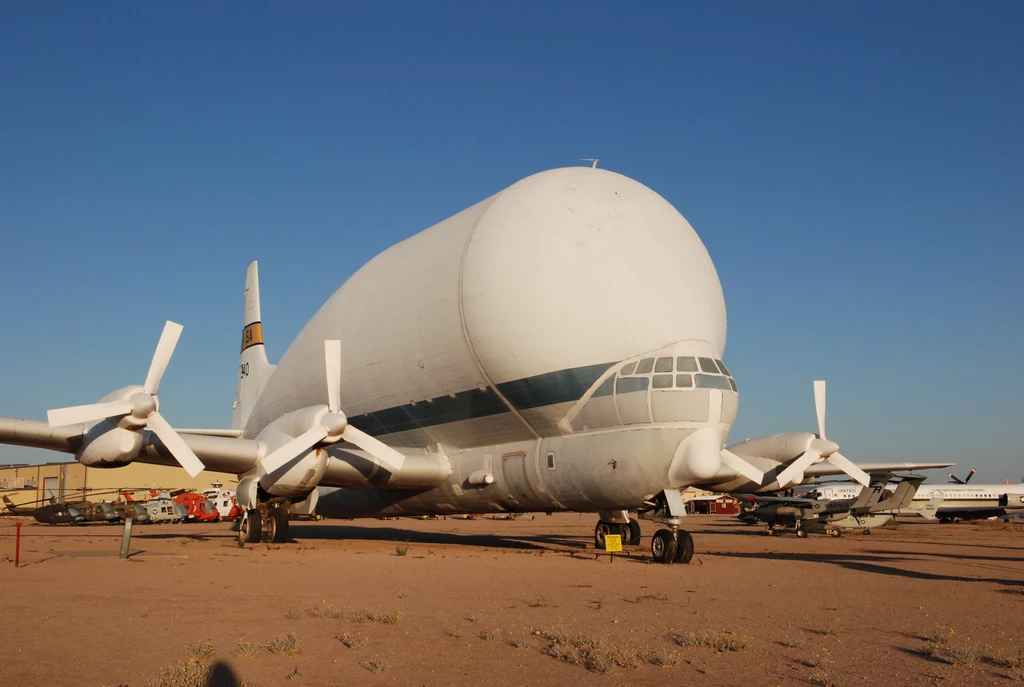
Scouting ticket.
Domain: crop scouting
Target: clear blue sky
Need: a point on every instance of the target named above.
(855, 170)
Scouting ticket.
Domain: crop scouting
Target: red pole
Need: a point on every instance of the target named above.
(17, 544)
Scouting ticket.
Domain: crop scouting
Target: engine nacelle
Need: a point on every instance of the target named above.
(780, 448)
(107, 445)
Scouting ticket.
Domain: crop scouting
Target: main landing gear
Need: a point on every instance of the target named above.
(630, 532)
(269, 521)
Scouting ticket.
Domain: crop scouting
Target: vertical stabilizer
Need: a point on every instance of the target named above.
(253, 368)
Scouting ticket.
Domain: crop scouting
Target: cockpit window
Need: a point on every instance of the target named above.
(722, 367)
(684, 381)
(686, 364)
(663, 365)
(732, 383)
(625, 385)
(708, 365)
(663, 381)
(713, 382)
(645, 366)
(627, 369)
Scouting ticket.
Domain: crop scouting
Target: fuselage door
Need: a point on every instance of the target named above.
(513, 466)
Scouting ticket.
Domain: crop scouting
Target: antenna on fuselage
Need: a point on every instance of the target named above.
(590, 159)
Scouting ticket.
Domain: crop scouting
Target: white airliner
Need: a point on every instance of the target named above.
(555, 347)
(956, 501)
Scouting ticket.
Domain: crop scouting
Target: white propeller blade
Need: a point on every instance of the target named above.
(741, 466)
(391, 458)
(332, 361)
(797, 467)
(77, 415)
(294, 448)
(850, 468)
(175, 444)
(819, 405)
(162, 356)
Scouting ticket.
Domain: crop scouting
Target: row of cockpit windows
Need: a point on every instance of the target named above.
(709, 374)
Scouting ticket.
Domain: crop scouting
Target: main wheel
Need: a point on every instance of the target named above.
(867, 531)
(663, 546)
(250, 528)
(801, 533)
(835, 534)
(631, 533)
(684, 547)
(605, 528)
(770, 530)
(278, 525)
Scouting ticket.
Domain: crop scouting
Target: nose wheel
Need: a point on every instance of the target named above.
(669, 546)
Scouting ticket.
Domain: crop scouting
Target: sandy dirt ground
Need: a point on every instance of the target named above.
(523, 602)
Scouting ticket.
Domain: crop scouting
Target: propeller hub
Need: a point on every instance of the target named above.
(824, 446)
(143, 405)
(334, 423)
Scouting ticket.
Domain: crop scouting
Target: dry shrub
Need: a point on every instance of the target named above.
(287, 645)
(579, 650)
(352, 641)
(710, 639)
(189, 673)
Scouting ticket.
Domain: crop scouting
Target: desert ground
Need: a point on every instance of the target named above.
(520, 602)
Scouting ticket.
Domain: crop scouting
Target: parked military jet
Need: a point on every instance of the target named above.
(555, 347)
(870, 508)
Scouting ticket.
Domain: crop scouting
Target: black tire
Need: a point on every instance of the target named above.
(250, 528)
(663, 546)
(631, 533)
(684, 547)
(867, 531)
(600, 531)
(835, 534)
(801, 533)
(278, 526)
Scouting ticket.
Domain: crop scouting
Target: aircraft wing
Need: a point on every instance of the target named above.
(781, 500)
(824, 469)
(976, 512)
(218, 453)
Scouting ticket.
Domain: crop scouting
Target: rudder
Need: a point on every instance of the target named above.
(253, 368)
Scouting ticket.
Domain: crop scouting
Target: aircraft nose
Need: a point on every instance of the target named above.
(825, 447)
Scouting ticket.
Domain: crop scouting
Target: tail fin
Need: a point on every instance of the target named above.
(253, 368)
(929, 511)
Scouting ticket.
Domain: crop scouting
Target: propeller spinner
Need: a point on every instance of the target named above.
(821, 449)
(331, 425)
(140, 409)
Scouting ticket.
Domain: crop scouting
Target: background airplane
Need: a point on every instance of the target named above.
(870, 507)
(957, 501)
(555, 347)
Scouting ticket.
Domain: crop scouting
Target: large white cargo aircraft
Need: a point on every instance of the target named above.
(555, 347)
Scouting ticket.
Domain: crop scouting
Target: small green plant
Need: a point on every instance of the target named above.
(490, 634)
(352, 641)
(287, 645)
(709, 639)
(402, 550)
(824, 680)
(376, 665)
(293, 614)
(200, 650)
(518, 641)
(245, 650)
(294, 675)
(821, 660)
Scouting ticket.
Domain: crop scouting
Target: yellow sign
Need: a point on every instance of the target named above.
(613, 542)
